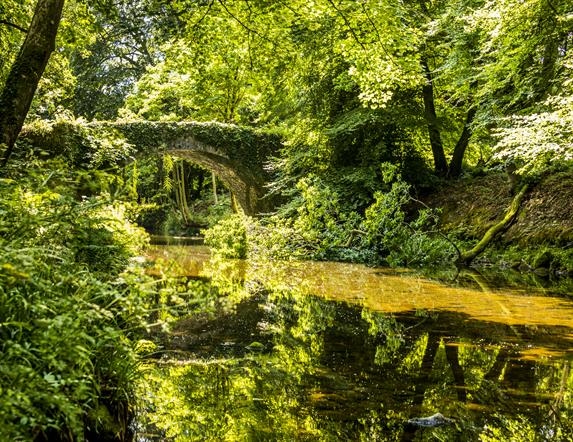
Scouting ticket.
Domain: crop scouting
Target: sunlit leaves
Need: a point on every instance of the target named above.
(536, 141)
(18, 13)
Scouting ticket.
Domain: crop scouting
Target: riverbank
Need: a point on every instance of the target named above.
(541, 237)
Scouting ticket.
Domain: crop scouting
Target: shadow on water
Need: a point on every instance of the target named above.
(329, 351)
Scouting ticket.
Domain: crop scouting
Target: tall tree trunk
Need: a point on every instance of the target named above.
(183, 189)
(440, 163)
(26, 72)
(455, 169)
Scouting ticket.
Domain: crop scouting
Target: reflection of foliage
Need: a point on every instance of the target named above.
(391, 330)
(330, 371)
(511, 429)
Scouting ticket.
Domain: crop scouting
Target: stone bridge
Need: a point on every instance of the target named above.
(236, 154)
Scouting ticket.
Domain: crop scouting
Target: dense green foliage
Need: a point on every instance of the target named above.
(347, 113)
(71, 307)
(322, 228)
(421, 85)
(229, 237)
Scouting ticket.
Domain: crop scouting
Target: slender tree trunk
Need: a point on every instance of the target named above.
(440, 163)
(176, 187)
(183, 190)
(214, 182)
(26, 72)
(550, 57)
(179, 186)
(455, 168)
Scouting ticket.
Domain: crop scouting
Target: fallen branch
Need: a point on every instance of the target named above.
(466, 258)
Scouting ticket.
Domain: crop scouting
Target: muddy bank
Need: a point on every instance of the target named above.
(540, 237)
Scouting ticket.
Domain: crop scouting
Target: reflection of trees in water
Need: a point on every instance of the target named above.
(330, 371)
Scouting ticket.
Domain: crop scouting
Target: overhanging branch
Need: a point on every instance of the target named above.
(13, 25)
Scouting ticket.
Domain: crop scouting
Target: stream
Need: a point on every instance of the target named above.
(324, 351)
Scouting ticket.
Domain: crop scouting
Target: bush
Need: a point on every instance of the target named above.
(318, 225)
(229, 237)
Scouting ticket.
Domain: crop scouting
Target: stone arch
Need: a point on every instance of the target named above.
(236, 154)
(248, 192)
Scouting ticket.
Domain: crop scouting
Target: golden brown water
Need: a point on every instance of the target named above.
(334, 351)
(389, 291)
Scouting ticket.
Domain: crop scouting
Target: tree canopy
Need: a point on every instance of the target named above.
(431, 78)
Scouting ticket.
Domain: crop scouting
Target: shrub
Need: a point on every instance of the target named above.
(318, 226)
(229, 237)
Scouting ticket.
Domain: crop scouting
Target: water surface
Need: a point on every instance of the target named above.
(333, 351)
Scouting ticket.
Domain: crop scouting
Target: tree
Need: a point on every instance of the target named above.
(126, 42)
(26, 72)
(214, 70)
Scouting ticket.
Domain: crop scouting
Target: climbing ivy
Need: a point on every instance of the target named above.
(82, 141)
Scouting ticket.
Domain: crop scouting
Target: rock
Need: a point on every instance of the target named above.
(436, 420)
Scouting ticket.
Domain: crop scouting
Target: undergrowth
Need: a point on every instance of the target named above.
(318, 225)
(72, 305)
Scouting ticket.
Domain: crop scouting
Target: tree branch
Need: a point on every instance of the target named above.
(234, 17)
(365, 11)
(204, 15)
(14, 25)
(350, 28)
